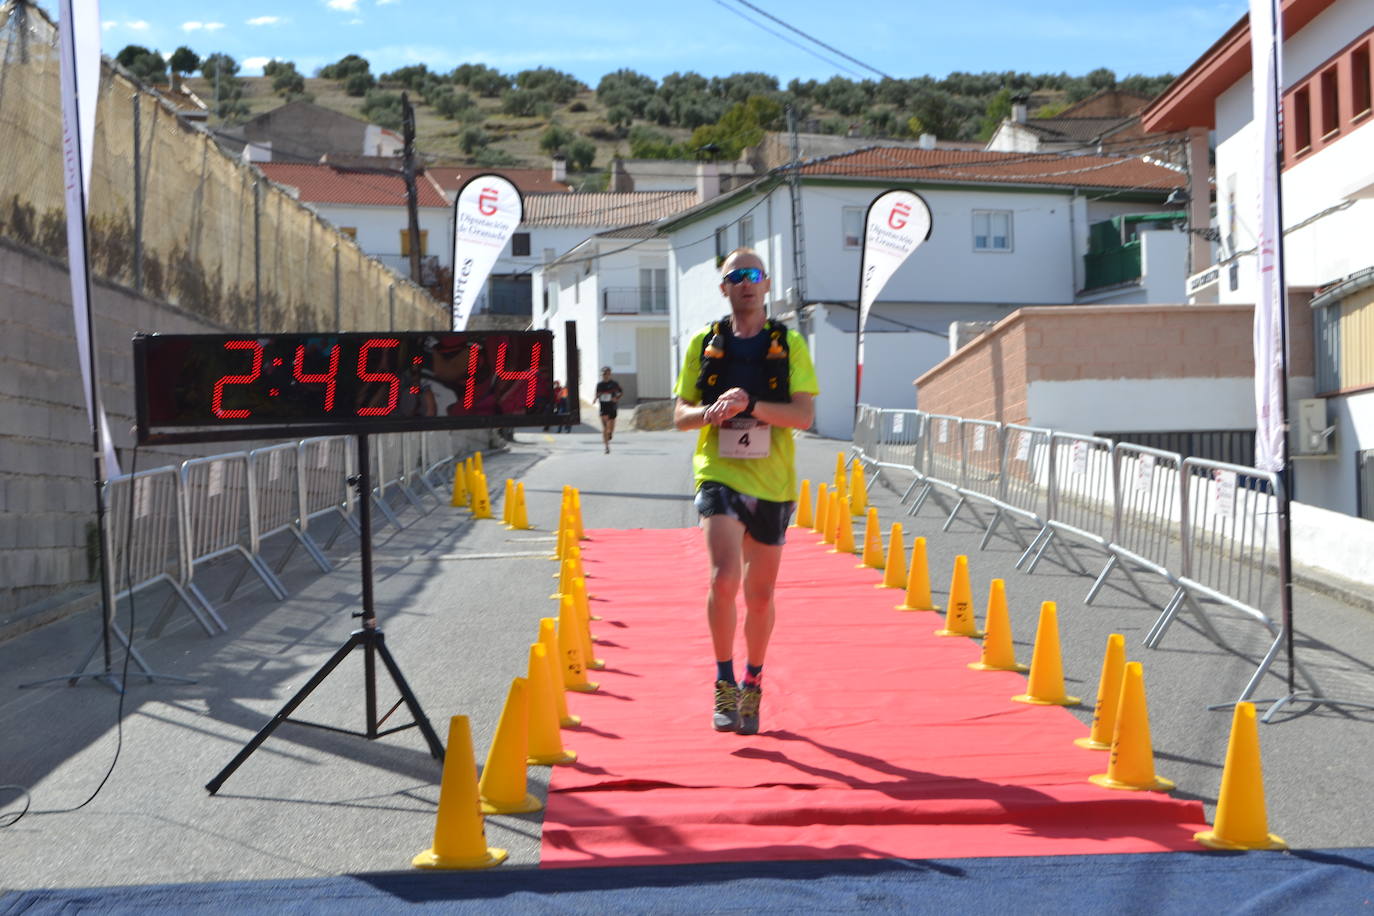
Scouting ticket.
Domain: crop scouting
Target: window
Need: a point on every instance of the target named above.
(746, 232)
(992, 230)
(1331, 103)
(520, 245)
(653, 290)
(1302, 120)
(852, 223)
(1360, 81)
(722, 244)
(350, 231)
(405, 242)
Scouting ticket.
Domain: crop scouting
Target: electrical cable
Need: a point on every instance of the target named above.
(9, 820)
(782, 37)
(814, 40)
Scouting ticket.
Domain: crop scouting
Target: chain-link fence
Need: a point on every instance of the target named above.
(173, 216)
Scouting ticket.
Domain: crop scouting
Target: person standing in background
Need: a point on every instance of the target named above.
(608, 392)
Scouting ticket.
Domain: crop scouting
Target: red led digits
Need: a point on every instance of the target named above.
(392, 380)
(469, 391)
(329, 379)
(217, 398)
(531, 375)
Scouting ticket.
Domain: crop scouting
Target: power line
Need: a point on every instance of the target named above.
(809, 38)
(783, 37)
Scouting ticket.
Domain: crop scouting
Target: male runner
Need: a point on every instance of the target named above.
(608, 394)
(747, 382)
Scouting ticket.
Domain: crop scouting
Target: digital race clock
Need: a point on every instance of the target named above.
(206, 387)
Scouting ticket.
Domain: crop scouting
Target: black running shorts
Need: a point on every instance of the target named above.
(765, 521)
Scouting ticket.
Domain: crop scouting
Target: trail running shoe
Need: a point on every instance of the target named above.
(726, 718)
(750, 696)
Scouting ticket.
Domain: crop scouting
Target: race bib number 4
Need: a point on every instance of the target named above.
(745, 438)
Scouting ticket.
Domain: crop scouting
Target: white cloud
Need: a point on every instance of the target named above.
(256, 63)
(201, 26)
(108, 24)
(264, 20)
(387, 2)
(137, 25)
(346, 6)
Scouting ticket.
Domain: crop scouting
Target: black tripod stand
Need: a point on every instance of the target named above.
(369, 637)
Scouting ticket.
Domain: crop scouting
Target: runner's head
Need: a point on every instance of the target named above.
(743, 280)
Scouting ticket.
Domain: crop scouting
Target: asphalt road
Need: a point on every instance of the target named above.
(459, 602)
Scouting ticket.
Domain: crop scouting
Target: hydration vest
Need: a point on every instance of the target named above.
(715, 352)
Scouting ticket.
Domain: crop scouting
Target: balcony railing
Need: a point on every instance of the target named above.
(634, 300)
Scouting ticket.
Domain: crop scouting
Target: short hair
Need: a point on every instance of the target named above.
(605, 368)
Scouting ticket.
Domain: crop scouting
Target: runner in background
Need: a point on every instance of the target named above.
(608, 394)
(747, 383)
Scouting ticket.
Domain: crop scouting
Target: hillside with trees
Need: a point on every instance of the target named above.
(475, 114)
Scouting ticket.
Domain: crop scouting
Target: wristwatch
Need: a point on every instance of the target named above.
(749, 411)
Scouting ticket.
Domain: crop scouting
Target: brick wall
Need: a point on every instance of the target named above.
(988, 379)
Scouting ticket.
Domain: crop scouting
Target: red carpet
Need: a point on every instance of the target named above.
(877, 739)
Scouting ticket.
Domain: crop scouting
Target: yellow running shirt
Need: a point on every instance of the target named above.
(773, 478)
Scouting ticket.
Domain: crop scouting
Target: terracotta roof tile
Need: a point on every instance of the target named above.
(529, 181)
(328, 184)
(605, 208)
(998, 168)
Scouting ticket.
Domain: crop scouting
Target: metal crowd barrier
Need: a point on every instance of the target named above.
(143, 528)
(275, 478)
(1148, 515)
(219, 506)
(1082, 500)
(1132, 502)
(324, 464)
(941, 465)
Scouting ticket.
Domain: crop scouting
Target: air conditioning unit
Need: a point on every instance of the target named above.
(1312, 434)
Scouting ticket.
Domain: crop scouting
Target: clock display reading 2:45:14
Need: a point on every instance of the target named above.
(214, 380)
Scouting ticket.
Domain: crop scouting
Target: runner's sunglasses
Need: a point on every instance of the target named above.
(740, 274)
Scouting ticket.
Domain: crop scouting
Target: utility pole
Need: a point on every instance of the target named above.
(798, 230)
(412, 203)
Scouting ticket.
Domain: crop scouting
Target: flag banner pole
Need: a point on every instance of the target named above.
(485, 215)
(896, 224)
(1271, 321)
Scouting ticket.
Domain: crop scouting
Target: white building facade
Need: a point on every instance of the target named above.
(1328, 210)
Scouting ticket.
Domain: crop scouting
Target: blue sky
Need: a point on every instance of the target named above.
(589, 38)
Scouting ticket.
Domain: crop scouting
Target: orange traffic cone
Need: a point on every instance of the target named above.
(804, 506)
(583, 600)
(1045, 686)
(546, 744)
(998, 654)
(460, 840)
(918, 581)
(460, 496)
(822, 520)
(1108, 695)
(519, 516)
(858, 489)
(577, 514)
(584, 624)
(894, 567)
(548, 638)
(503, 788)
(959, 615)
(567, 571)
(507, 502)
(844, 529)
(481, 500)
(841, 480)
(873, 542)
(570, 649)
(1242, 822)
(1132, 764)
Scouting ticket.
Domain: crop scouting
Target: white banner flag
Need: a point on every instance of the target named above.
(896, 224)
(1266, 72)
(79, 69)
(485, 215)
